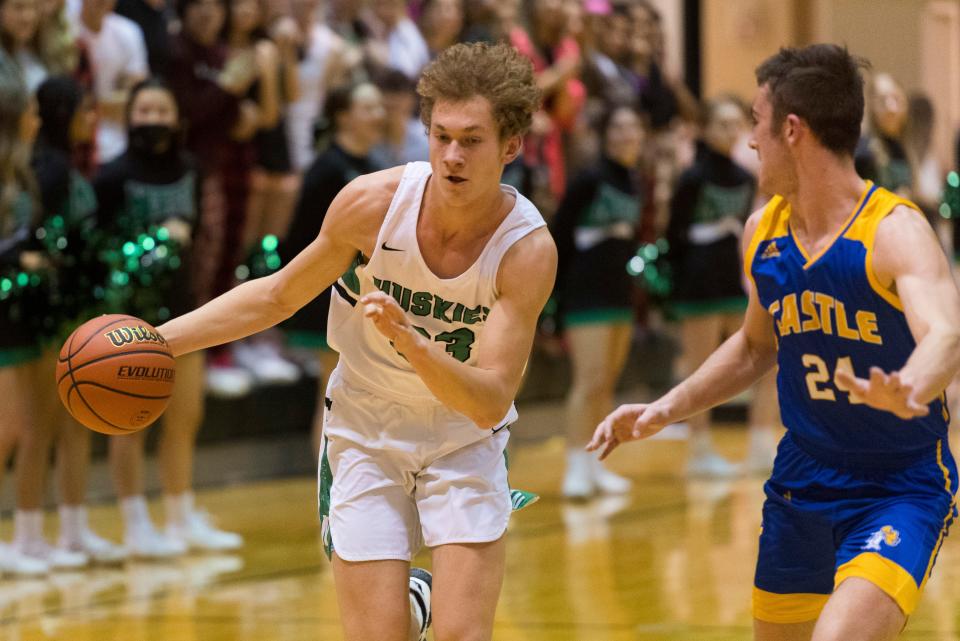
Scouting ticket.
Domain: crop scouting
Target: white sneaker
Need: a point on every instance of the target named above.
(198, 533)
(265, 363)
(228, 382)
(421, 586)
(608, 482)
(578, 481)
(19, 565)
(712, 466)
(97, 548)
(149, 544)
(55, 558)
(291, 372)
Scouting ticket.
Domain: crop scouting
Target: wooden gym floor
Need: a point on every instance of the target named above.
(672, 561)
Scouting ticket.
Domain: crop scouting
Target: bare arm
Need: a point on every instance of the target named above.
(286, 34)
(268, 64)
(908, 259)
(351, 225)
(485, 391)
(733, 367)
(113, 105)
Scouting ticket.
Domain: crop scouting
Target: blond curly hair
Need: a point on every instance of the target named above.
(495, 72)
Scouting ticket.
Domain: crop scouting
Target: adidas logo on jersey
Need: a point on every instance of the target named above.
(771, 251)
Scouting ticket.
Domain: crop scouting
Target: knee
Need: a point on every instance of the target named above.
(594, 386)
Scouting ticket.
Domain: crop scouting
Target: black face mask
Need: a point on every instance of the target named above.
(153, 140)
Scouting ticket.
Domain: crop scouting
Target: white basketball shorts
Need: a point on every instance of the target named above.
(394, 477)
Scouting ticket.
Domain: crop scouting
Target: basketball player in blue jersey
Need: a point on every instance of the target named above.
(852, 297)
(439, 274)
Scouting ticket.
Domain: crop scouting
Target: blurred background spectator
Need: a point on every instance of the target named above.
(596, 230)
(404, 137)
(118, 58)
(20, 39)
(881, 156)
(441, 23)
(711, 202)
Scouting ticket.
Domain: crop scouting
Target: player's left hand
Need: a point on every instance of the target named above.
(885, 392)
(387, 316)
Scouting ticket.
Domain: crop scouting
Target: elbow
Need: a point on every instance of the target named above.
(490, 416)
(279, 300)
(486, 421)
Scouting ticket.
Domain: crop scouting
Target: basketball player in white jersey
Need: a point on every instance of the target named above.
(439, 273)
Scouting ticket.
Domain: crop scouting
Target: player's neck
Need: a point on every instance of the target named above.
(827, 190)
(477, 217)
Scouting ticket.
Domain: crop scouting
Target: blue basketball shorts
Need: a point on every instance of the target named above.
(823, 525)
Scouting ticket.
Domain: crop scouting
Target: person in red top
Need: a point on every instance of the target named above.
(556, 62)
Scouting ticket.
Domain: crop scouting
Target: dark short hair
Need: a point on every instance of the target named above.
(821, 84)
(394, 81)
(183, 5)
(151, 82)
(610, 110)
(338, 100)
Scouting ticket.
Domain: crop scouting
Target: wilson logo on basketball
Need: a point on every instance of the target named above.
(126, 335)
(146, 373)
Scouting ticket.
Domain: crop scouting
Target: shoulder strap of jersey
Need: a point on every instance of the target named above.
(773, 223)
(880, 206)
(405, 199)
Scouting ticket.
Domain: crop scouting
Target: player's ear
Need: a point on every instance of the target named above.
(512, 149)
(792, 128)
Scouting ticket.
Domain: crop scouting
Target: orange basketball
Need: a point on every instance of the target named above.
(115, 374)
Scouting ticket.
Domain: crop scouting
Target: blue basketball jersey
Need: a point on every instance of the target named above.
(830, 312)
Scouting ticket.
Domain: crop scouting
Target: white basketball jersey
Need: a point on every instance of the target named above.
(450, 311)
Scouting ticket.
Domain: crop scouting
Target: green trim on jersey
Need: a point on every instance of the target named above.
(326, 482)
(350, 278)
(519, 499)
(690, 309)
(609, 316)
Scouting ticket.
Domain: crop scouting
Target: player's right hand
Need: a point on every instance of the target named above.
(627, 423)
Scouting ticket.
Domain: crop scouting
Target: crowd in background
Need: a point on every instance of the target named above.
(220, 130)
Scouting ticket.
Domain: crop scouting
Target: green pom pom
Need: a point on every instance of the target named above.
(652, 270)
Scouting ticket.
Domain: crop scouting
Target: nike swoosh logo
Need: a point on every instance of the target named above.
(384, 247)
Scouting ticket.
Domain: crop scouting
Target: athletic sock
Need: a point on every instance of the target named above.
(136, 517)
(27, 526)
(178, 507)
(73, 522)
(701, 445)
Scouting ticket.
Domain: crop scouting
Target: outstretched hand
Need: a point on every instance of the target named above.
(884, 392)
(627, 423)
